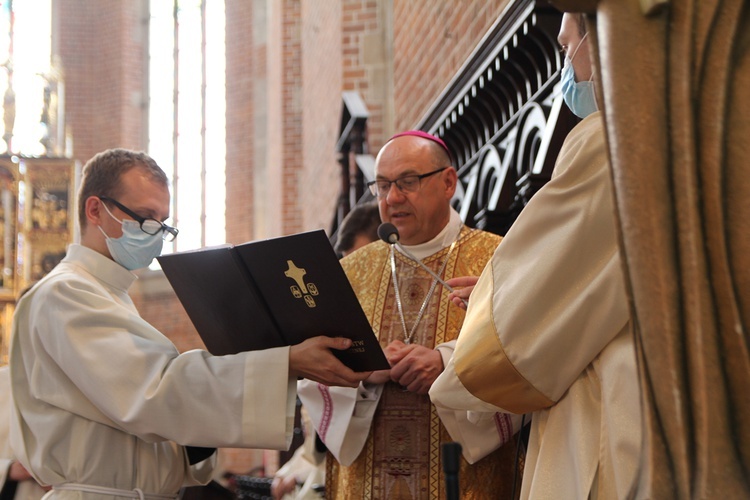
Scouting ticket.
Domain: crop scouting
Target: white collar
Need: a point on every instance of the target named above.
(444, 238)
(101, 267)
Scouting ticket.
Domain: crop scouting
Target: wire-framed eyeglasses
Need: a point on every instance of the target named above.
(148, 225)
(405, 184)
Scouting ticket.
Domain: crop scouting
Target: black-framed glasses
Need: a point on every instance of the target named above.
(405, 184)
(148, 225)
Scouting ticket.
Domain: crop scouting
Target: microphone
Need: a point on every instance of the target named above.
(389, 234)
(451, 455)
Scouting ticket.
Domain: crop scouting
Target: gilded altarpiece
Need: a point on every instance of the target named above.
(36, 223)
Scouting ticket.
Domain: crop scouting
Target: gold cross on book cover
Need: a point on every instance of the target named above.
(272, 293)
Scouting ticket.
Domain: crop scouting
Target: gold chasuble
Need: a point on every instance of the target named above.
(402, 456)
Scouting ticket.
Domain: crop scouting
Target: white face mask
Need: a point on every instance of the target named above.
(135, 249)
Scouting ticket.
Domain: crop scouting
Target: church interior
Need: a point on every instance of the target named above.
(267, 116)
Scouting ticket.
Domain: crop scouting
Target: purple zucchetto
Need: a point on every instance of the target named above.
(424, 135)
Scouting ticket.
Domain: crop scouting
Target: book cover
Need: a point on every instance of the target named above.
(270, 293)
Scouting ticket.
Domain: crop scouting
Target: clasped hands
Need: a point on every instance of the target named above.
(413, 366)
(416, 367)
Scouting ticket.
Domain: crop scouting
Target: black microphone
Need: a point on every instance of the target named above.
(451, 457)
(389, 233)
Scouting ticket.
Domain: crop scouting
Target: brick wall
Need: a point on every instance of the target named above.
(431, 40)
(366, 50)
(321, 112)
(245, 65)
(103, 53)
(400, 54)
(288, 63)
(291, 113)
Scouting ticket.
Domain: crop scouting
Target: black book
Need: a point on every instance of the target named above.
(272, 293)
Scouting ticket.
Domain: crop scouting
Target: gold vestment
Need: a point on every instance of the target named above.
(402, 456)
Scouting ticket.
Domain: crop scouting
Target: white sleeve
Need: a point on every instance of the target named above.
(480, 431)
(342, 416)
(131, 377)
(4, 471)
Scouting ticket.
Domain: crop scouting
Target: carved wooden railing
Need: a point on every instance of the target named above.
(503, 116)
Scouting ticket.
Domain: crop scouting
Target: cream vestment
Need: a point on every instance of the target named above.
(103, 399)
(548, 331)
(25, 490)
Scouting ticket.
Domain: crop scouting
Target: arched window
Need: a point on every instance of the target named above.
(187, 114)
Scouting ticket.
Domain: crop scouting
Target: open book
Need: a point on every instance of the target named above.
(272, 293)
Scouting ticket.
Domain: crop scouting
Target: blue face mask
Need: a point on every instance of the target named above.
(580, 97)
(135, 249)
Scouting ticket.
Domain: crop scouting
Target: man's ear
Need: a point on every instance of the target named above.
(94, 210)
(451, 181)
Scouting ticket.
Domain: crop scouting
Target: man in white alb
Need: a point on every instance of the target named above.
(104, 405)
